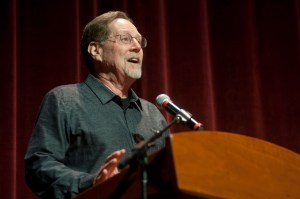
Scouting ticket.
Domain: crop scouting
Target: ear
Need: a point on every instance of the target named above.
(95, 50)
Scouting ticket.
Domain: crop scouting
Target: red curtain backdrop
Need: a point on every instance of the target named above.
(233, 64)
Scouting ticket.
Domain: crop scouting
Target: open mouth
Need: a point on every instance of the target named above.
(134, 60)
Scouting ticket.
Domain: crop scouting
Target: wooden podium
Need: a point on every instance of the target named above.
(210, 165)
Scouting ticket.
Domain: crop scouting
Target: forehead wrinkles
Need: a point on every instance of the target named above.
(123, 25)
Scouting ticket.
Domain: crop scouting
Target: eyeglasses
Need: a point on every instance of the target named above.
(127, 39)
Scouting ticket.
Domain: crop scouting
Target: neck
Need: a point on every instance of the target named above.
(117, 86)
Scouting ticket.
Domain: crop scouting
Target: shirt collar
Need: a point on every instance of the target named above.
(105, 95)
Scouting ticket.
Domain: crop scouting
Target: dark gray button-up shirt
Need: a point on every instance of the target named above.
(78, 126)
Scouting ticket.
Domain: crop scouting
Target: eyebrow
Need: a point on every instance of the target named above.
(122, 33)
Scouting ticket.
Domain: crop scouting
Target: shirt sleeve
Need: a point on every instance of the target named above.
(45, 171)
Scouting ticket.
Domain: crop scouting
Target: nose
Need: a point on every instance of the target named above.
(136, 46)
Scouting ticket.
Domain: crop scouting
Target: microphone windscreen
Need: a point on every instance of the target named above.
(160, 99)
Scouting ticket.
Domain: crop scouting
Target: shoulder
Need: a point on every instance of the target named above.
(64, 94)
(65, 90)
(69, 91)
(149, 107)
(147, 104)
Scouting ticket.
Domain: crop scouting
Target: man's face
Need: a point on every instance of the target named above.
(123, 59)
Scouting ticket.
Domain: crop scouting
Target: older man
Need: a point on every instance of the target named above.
(84, 130)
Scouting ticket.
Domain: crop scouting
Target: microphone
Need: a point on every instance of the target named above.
(164, 101)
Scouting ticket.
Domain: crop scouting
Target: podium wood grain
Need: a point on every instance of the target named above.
(229, 165)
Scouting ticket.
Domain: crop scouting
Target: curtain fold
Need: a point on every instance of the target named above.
(233, 64)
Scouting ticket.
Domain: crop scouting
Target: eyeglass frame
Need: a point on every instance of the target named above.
(141, 40)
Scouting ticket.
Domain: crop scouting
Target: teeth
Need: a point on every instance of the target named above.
(133, 60)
